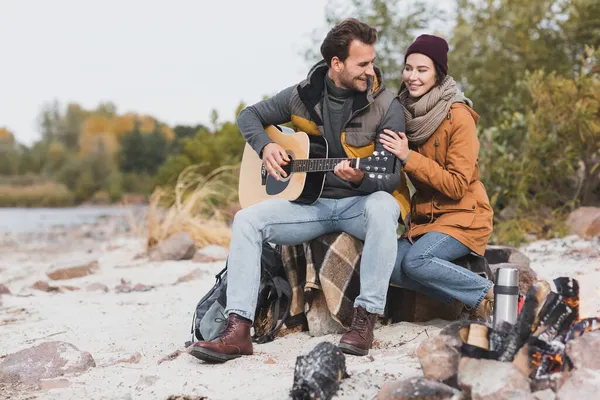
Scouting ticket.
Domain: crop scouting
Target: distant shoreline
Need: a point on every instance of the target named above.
(20, 220)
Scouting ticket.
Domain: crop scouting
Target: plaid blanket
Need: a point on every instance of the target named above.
(325, 264)
(331, 263)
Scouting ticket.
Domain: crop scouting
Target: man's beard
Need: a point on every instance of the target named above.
(353, 83)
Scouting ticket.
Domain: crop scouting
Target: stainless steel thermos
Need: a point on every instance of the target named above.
(506, 295)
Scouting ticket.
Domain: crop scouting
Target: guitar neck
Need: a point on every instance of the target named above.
(320, 164)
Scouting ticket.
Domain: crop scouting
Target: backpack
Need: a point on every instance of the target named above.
(274, 297)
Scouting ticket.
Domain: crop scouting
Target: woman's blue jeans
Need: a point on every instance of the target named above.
(426, 266)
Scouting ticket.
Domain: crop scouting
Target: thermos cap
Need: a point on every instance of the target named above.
(507, 277)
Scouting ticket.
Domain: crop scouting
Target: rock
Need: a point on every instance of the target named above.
(475, 263)
(584, 352)
(4, 289)
(213, 252)
(71, 272)
(582, 384)
(492, 380)
(418, 388)
(179, 246)
(585, 222)
(45, 361)
(192, 276)
(96, 287)
(46, 287)
(551, 382)
(439, 357)
(505, 254)
(172, 356)
(544, 395)
(186, 397)
(108, 359)
(126, 287)
(527, 276)
(458, 330)
(319, 317)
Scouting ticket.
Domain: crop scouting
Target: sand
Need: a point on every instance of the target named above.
(152, 324)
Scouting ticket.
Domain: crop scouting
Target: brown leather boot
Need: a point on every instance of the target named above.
(359, 338)
(233, 342)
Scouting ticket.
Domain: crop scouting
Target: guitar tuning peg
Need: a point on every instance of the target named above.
(383, 169)
(379, 176)
(371, 175)
(382, 153)
(368, 168)
(375, 153)
(376, 168)
(385, 159)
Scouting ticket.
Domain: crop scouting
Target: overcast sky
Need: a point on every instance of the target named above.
(175, 60)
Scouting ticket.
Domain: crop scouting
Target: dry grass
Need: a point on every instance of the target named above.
(194, 206)
(48, 194)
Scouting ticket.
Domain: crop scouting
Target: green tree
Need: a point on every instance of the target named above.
(495, 43)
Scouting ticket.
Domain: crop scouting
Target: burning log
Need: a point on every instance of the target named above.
(318, 374)
(526, 321)
(568, 289)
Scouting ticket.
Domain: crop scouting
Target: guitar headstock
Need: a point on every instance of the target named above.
(379, 164)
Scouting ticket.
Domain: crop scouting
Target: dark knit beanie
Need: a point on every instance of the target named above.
(433, 47)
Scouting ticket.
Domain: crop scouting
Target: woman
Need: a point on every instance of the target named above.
(450, 211)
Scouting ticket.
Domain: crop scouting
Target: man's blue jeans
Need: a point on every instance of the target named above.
(425, 267)
(372, 218)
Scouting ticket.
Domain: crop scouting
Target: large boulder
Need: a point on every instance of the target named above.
(585, 222)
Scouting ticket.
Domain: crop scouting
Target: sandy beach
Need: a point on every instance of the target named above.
(130, 334)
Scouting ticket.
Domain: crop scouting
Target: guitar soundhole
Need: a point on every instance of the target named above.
(273, 185)
(287, 168)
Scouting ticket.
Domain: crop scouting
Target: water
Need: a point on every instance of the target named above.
(22, 220)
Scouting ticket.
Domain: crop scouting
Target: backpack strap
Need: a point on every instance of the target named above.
(280, 288)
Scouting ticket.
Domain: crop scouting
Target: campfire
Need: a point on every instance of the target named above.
(536, 344)
(541, 352)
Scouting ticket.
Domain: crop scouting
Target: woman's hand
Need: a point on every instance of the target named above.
(395, 143)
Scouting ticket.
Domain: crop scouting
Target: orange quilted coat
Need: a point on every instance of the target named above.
(445, 171)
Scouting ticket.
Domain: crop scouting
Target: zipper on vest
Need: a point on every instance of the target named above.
(355, 113)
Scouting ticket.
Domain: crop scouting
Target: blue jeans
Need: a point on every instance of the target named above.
(425, 267)
(372, 218)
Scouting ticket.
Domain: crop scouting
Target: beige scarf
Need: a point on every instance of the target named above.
(425, 114)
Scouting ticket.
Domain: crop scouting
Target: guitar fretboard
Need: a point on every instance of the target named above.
(319, 164)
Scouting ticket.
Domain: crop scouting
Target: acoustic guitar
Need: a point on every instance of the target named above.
(305, 171)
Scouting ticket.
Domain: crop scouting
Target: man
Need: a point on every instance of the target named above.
(345, 100)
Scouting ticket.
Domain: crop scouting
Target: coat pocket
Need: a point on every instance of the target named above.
(459, 213)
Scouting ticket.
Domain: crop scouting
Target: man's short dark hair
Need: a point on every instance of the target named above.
(337, 42)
